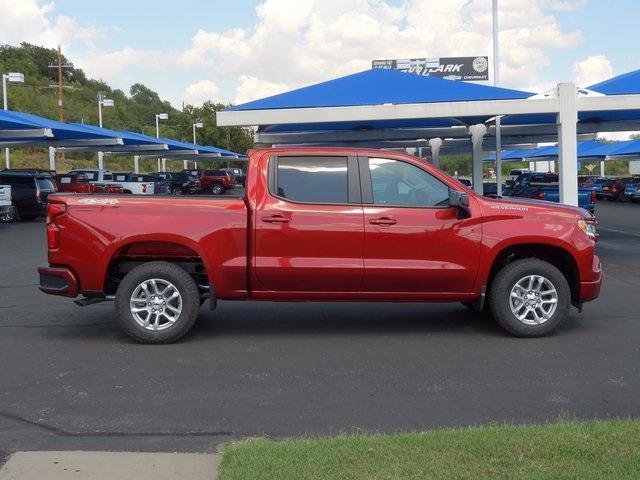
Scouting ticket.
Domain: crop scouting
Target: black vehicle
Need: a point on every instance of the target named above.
(238, 174)
(179, 182)
(29, 191)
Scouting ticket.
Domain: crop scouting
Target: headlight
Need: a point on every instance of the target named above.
(590, 228)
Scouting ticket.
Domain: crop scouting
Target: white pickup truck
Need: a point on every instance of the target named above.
(130, 182)
(5, 200)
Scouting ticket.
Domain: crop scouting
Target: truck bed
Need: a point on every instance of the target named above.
(214, 228)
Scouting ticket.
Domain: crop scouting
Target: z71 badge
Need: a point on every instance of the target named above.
(98, 201)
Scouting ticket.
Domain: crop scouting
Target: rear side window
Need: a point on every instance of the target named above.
(17, 181)
(312, 179)
(45, 184)
(107, 176)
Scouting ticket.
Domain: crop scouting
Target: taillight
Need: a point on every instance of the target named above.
(54, 210)
(540, 195)
(593, 196)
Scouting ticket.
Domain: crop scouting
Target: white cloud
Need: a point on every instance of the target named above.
(253, 88)
(295, 43)
(200, 92)
(36, 22)
(592, 69)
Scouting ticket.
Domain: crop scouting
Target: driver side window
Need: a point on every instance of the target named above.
(401, 184)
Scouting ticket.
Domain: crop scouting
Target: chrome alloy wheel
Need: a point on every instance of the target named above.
(533, 300)
(156, 304)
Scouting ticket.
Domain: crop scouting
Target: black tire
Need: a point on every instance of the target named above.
(500, 292)
(11, 215)
(28, 218)
(217, 188)
(182, 282)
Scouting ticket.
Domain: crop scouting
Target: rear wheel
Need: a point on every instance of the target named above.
(157, 302)
(217, 189)
(529, 298)
(28, 218)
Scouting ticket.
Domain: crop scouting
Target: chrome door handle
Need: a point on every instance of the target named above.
(275, 219)
(382, 221)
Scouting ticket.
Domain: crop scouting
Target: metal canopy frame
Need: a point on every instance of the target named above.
(26, 133)
(565, 105)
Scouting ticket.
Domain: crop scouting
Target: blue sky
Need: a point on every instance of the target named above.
(247, 49)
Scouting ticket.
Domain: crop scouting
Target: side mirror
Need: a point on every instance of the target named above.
(510, 183)
(458, 199)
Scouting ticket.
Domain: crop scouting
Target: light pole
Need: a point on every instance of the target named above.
(198, 124)
(13, 77)
(160, 116)
(102, 102)
(496, 77)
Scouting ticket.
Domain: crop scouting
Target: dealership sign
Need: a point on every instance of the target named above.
(451, 68)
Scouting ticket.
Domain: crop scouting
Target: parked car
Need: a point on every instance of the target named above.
(129, 182)
(213, 181)
(632, 190)
(179, 182)
(598, 183)
(323, 224)
(239, 176)
(514, 174)
(29, 193)
(79, 183)
(5, 201)
(613, 189)
(545, 186)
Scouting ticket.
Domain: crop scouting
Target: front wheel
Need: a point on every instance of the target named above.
(529, 298)
(157, 302)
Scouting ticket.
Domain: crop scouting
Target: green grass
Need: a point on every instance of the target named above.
(563, 450)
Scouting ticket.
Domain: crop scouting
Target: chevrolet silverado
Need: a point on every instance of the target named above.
(323, 224)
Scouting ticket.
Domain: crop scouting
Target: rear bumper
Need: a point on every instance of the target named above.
(58, 281)
(590, 290)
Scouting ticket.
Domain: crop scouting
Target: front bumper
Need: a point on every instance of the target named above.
(58, 281)
(590, 290)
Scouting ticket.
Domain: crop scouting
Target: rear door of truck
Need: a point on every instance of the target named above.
(308, 227)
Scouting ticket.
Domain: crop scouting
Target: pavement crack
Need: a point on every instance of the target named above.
(66, 433)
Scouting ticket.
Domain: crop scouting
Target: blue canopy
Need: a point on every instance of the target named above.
(10, 120)
(625, 84)
(379, 87)
(589, 149)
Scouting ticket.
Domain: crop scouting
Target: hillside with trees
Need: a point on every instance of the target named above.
(134, 110)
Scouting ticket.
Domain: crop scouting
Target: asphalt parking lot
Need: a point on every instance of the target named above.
(71, 380)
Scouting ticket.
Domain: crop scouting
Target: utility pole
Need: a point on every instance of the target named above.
(59, 67)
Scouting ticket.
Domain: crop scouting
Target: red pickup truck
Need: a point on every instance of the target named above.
(323, 224)
(213, 181)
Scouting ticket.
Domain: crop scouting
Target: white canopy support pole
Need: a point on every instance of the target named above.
(477, 134)
(52, 158)
(602, 168)
(164, 164)
(159, 166)
(498, 159)
(567, 121)
(435, 144)
(136, 164)
(100, 160)
(185, 164)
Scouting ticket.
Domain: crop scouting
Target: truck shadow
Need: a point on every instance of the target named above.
(267, 318)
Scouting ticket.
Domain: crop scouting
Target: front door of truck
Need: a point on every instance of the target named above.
(309, 232)
(414, 241)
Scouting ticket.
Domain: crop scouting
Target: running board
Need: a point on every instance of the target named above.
(86, 301)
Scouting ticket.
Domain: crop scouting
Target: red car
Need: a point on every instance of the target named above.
(80, 183)
(323, 224)
(613, 190)
(213, 181)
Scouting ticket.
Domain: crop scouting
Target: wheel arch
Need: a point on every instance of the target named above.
(555, 254)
